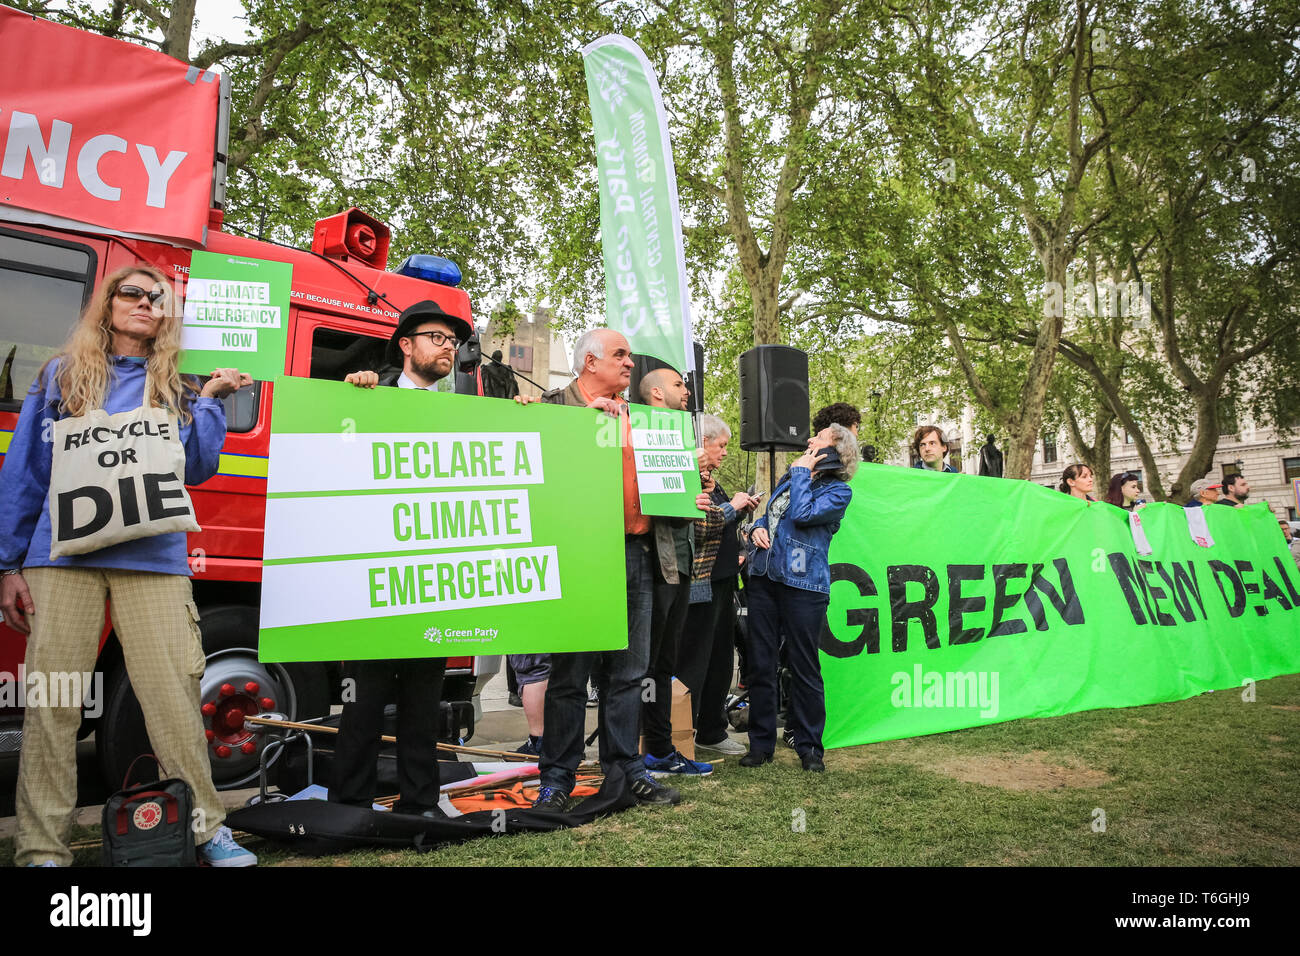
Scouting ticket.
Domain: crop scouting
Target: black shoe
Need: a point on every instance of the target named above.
(648, 790)
(788, 737)
(552, 800)
(532, 747)
(514, 700)
(753, 759)
(813, 762)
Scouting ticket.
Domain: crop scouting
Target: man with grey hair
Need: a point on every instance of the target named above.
(602, 361)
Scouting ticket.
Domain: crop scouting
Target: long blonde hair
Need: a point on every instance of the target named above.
(84, 368)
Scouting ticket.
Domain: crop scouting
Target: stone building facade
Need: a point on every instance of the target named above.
(533, 350)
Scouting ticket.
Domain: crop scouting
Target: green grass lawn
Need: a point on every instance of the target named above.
(1209, 781)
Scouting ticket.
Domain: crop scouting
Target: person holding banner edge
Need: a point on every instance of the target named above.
(424, 347)
(789, 590)
(122, 356)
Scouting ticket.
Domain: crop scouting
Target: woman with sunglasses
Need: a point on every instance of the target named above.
(1124, 491)
(121, 356)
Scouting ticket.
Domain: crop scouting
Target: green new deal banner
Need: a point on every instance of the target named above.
(646, 297)
(667, 471)
(407, 523)
(236, 315)
(958, 601)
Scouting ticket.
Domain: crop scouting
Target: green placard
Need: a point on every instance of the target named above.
(667, 470)
(958, 600)
(405, 523)
(236, 315)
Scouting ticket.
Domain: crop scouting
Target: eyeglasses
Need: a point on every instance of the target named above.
(438, 339)
(133, 293)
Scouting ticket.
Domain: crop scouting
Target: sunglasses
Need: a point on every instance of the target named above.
(133, 293)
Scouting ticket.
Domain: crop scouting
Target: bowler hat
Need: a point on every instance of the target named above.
(417, 314)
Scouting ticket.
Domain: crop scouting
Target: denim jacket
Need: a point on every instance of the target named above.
(798, 555)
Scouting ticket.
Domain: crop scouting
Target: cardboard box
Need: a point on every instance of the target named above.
(683, 732)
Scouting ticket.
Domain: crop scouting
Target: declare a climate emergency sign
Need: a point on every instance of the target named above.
(405, 523)
(94, 130)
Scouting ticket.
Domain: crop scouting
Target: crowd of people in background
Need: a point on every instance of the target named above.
(1125, 491)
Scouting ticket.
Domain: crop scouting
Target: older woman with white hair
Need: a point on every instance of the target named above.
(705, 655)
(789, 589)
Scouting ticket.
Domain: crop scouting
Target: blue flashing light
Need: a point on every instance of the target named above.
(431, 269)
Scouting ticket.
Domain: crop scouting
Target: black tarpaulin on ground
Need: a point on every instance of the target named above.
(317, 826)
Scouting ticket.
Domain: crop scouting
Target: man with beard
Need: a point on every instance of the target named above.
(1236, 489)
(424, 346)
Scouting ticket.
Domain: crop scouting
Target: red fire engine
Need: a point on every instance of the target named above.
(54, 248)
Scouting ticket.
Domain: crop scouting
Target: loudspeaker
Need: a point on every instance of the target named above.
(773, 398)
(643, 365)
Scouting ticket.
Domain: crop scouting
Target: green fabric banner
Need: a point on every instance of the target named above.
(958, 601)
(405, 523)
(646, 295)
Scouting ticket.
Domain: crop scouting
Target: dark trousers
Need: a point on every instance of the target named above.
(671, 602)
(415, 685)
(706, 659)
(620, 689)
(775, 609)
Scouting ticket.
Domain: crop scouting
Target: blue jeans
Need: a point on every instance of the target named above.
(776, 609)
(620, 689)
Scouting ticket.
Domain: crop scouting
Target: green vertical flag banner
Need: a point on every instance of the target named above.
(406, 523)
(236, 315)
(646, 296)
(958, 601)
(667, 471)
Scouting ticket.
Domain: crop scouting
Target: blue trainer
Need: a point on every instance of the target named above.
(222, 850)
(675, 763)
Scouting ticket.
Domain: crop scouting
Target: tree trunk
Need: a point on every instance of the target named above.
(1027, 422)
(178, 28)
(1201, 458)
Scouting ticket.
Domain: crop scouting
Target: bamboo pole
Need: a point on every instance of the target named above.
(507, 755)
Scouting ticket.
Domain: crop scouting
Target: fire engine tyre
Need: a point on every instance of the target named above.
(298, 691)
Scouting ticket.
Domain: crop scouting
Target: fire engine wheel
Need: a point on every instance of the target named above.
(234, 684)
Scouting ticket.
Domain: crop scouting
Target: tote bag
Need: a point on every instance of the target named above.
(117, 478)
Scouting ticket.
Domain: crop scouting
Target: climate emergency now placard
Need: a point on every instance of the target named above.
(236, 315)
(406, 523)
(667, 471)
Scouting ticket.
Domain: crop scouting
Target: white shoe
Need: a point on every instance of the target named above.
(724, 746)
